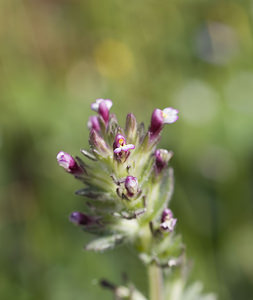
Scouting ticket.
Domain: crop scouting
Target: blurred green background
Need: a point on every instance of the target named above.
(56, 57)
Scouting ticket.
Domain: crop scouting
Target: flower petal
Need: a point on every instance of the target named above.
(118, 150)
(170, 115)
(128, 147)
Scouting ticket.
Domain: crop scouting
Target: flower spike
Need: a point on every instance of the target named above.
(126, 199)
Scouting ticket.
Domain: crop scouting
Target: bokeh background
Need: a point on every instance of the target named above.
(56, 57)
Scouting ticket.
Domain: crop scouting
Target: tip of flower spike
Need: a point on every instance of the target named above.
(107, 102)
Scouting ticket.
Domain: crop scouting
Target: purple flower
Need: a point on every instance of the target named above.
(93, 123)
(119, 141)
(66, 161)
(160, 117)
(131, 185)
(168, 223)
(120, 145)
(162, 157)
(102, 106)
(79, 218)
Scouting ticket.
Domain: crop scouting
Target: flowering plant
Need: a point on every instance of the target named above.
(128, 188)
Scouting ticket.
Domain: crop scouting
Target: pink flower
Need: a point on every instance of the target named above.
(120, 144)
(160, 117)
(102, 106)
(66, 161)
(124, 148)
(168, 223)
(121, 149)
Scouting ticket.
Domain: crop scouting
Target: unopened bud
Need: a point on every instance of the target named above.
(131, 185)
(98, 142)
(93, 123)
(66, 161)
(79, 218)
(102, 106)
(162, 157)
(131, 128)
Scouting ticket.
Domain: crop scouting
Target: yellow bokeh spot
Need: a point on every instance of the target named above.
(113, 58)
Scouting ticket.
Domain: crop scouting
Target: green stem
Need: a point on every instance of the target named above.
(155, 282)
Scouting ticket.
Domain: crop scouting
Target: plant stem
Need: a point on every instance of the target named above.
(155, 282)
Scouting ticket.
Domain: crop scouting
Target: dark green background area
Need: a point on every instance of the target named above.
(56, 57)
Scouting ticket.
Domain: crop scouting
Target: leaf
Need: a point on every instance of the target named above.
(105, 243)
(165, 191)
(91, 193)
(88, 154)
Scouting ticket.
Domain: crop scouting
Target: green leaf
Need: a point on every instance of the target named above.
(105, 243)
(91, 193)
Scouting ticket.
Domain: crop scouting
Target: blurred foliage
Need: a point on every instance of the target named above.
(57, 56)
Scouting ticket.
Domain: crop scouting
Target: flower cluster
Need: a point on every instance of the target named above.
(128, 183)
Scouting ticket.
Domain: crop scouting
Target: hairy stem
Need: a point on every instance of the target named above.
(155, 282)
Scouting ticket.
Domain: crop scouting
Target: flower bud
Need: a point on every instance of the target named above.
(79, 218)
(98, 142)
(168, 223)
(131, 127)
(162, 157)
(93, 123)
(103, 111)
(131, 185)
(66, 161)
(102, 106)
